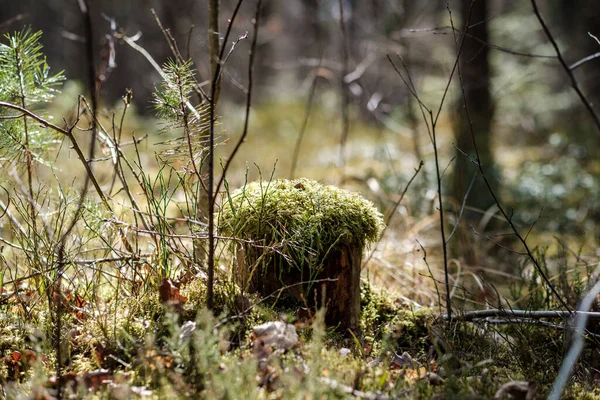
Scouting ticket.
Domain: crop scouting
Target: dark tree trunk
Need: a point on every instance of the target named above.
(571, 23)
(475, 70)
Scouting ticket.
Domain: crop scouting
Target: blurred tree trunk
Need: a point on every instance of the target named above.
(475, 70)
(314, 34)
(573, 20)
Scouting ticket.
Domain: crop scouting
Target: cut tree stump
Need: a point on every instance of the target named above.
(340, 296)
(301, 240)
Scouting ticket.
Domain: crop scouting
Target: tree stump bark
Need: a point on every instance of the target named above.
(268, 275)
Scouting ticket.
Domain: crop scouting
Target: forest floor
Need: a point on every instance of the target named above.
(142, 330)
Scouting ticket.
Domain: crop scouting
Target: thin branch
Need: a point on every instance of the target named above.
(393, 212)
(566, 67)
(581, 318)
(214, 46)
(437, 31)
(495, 198)
(345, 98)
(10, 21)
(584, 60)
(256, 23)
(462, 209)
(91, 69)
(131, 41)
(211, 165)
(309, 103)
(175, 51)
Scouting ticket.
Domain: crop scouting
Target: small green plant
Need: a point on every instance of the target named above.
(25, 80)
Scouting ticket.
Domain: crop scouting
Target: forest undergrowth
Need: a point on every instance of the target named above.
(115, 284)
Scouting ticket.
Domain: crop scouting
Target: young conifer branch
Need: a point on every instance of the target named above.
(69, 134)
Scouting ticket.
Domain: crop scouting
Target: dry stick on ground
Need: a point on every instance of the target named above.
(211, 163)
(566, 67)
(345, 98)
(493, 193)
(578, 340)
(480, 314)
(251, 56)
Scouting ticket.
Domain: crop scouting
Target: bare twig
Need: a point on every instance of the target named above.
(462, 209)
(435, 284)
(131, 41)
(433, 137)
(345, 98)
(10, 21)
(441, 31)
(566, 67)
(252, 53)
(87, 21)
(494, 196)
(392, 213)
(214, 46)
(584, 60)
(176, 53)
(309, 103)
(211, 164)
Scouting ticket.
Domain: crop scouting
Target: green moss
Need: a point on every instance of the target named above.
(304, 218)
(387, 323)
(579, 391)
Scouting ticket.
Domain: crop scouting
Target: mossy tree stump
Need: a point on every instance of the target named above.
(303, 239)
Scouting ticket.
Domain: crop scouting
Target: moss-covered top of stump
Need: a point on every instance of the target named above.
(301, 213)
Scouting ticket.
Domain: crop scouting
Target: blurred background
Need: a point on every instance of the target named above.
(329, 104)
